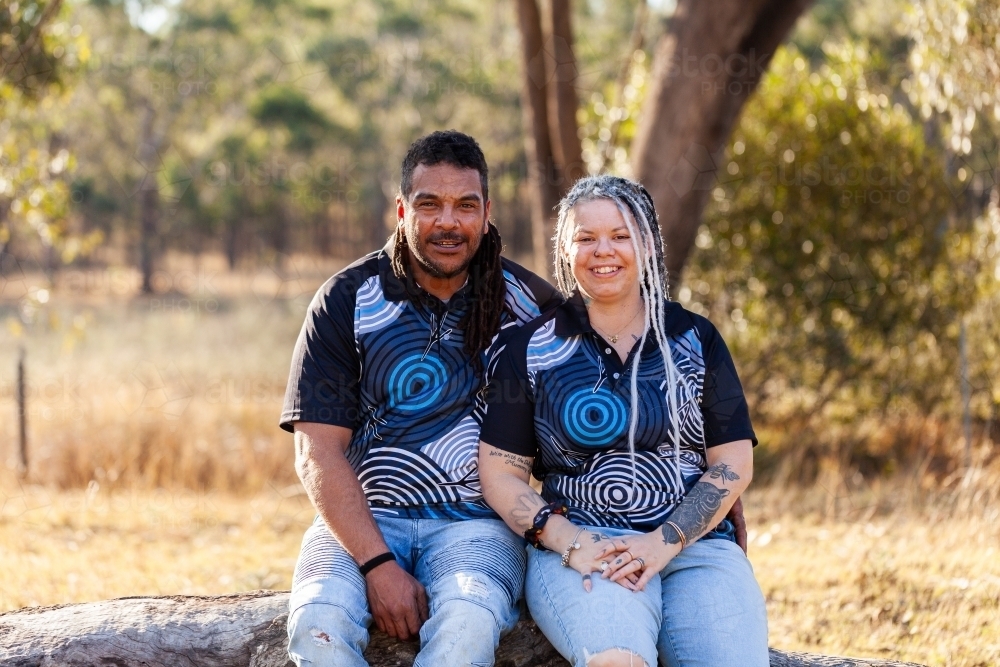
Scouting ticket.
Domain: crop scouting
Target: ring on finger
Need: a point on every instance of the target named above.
(641, 562)
(604, 565)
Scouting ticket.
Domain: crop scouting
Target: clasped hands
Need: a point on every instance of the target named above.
(629, 560)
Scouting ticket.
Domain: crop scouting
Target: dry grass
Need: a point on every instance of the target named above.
(921, 585)
(178, 390)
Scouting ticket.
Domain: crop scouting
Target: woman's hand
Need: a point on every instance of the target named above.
(594, 555)
(639, 559)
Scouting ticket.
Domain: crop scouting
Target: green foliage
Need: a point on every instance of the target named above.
(845, 272)
(39, 54)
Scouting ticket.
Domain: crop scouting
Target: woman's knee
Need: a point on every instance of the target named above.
(616, 657)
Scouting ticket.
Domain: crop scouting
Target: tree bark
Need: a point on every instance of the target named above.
(245, 630)
(706, 65)
(543, 174)
(562, 99)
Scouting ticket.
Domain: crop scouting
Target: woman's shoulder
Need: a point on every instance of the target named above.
(519, 337)
(677, 319)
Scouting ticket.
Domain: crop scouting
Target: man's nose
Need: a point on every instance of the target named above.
(447, 218)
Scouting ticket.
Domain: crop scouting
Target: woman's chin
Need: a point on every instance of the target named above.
(608, 293)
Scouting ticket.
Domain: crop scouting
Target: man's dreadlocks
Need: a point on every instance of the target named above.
(488, 290)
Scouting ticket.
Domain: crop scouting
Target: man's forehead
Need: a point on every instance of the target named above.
(446, 179)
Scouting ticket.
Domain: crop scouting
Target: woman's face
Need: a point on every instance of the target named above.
(601, 253)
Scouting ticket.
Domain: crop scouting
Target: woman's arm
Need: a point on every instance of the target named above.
(730, 468)
(504, 477)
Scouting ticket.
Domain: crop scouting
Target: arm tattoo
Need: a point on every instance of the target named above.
(597, 537)
(525, 508)
(522, 463)
(695, 513)
(723, 471)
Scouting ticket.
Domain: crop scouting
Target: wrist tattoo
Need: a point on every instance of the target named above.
(526, 506)
(522, 463)
(723, 472)
(670, 534)
(695, 513)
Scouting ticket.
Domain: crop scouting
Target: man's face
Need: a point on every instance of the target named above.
(444, 219)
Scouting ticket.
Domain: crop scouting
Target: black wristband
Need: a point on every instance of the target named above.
(371, 564)
(533, 534)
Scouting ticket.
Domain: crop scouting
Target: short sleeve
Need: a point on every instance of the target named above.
(509, 423)
(323, 381)
(724, 405)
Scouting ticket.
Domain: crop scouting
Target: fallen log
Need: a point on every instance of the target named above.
(245, 630)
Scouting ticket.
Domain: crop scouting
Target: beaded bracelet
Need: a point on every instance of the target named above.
(533, 534)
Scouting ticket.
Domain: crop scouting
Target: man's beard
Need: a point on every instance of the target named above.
(436, 270)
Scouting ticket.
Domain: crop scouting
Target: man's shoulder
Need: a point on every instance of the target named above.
(344, 284)
(532, 286)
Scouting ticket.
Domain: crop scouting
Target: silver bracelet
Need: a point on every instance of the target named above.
(573, 545)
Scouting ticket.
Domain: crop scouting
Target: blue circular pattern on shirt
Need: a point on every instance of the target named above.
(416, 384)
(594, 419)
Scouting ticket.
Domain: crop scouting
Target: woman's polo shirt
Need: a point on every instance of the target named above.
(387, 360)
(561, 394)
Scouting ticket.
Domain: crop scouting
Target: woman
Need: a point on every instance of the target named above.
(628, 408)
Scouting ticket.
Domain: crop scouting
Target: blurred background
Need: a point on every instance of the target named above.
(177, 179)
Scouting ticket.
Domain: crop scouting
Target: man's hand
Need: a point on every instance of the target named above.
(740, 523)
(397, 600)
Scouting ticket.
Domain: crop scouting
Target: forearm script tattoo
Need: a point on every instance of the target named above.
(522, 463)
(695, 513)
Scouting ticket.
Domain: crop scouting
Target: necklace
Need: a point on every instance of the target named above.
(614, 338)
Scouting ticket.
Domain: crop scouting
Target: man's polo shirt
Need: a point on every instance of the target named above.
(561, 395)
(387, 360)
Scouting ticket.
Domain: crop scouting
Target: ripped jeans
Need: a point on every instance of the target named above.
(473, 571)
(704, 610)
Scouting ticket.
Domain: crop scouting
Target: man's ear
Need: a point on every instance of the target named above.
(400, 209)
(486, 217)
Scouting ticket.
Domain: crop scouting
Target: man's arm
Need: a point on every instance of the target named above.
(398, 602)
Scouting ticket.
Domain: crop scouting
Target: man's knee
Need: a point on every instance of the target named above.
(615, 657)
(459, 632)
(474, 618)
(325, 634)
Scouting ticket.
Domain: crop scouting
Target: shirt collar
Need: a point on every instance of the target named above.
(572, 319)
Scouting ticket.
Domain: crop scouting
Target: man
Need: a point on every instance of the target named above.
(384, 398)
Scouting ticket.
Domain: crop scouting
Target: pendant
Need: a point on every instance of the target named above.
(614, 339)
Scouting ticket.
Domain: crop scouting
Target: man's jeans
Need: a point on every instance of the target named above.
(473, 572)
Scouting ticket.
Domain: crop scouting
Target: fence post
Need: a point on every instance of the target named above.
(963, 350)
(22, 415)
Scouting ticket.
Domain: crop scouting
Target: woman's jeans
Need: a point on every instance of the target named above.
(473, 571)
(704, 610)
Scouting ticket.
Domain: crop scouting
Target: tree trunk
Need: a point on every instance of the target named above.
(543, 174)
(562, 100)
(149, 198)
(706, 66)
(246, 630)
